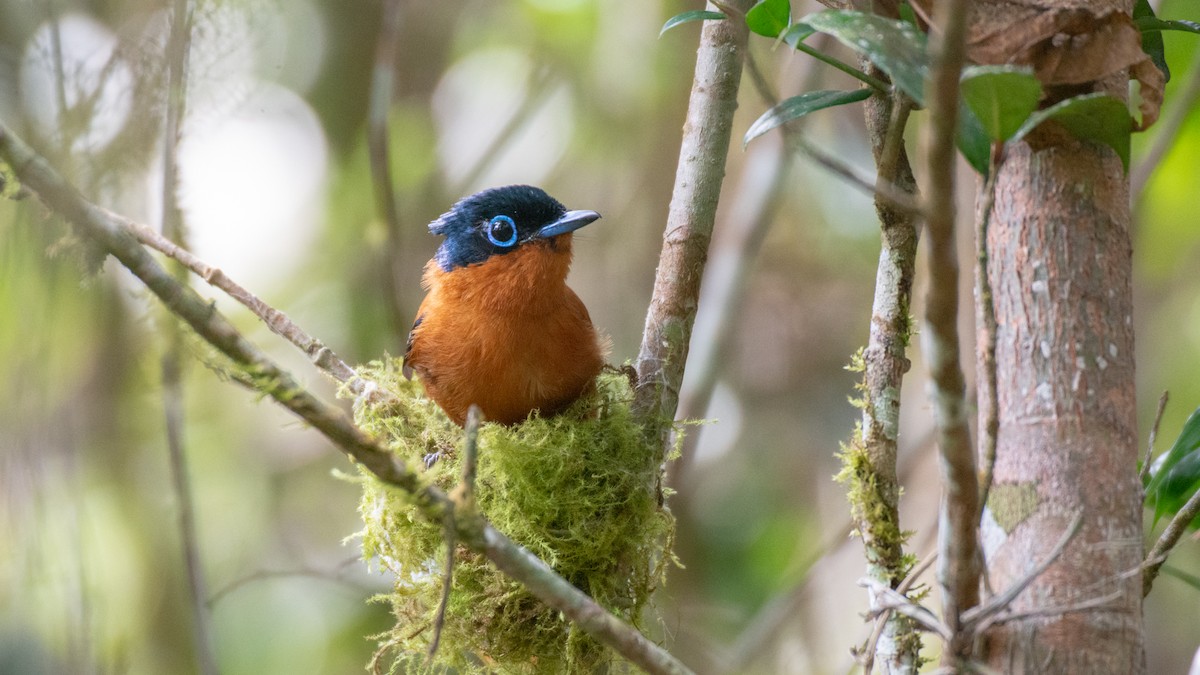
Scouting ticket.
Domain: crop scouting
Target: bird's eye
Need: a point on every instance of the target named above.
(502, 231)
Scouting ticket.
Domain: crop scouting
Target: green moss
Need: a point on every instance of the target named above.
(870, 506)
(1012, 503)
(578, 490)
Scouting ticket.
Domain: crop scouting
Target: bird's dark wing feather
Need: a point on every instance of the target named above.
(406, 369)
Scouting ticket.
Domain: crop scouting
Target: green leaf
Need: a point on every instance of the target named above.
(797, 34)
(972, 141)
(898, 48)
(688, 17)
(1177, 474)
(1091, 117)
(1002, 97)
(1151, 23)
(769, 17)
(799, 106)
(1152, 42)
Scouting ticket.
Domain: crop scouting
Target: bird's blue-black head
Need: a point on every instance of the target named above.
(501, 220)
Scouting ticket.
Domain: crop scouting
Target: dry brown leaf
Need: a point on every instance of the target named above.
(1152, 82)
(1063, 46)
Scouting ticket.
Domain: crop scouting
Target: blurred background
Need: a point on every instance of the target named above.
(581, 97)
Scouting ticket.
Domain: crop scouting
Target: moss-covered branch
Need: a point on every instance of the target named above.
(473, 530)
(870, 457)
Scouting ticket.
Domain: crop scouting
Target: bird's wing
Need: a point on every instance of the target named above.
(412, 333)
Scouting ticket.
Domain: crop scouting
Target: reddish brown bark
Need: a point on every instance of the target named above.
(1060, 267)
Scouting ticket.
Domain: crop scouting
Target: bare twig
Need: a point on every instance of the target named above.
(895, 198)
(977, 620)
(439, 619)
(378, 110)
(888, 600)
(1101, 602)
(689, 226)
(958, 561)
(1168, 130)
(896, 195)
(178, 47)
(277, 321)
(540, 79)
(60, 78)
(881, 623)
(750, 643)
(985, 308)
(975, 616)
(1170, 536)
(333, 575)
(471, 453)
(465, 497)
(1144, 475)
(727, 273)
(472, 529)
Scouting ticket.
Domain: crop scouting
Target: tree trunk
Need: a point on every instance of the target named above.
(1060, 266)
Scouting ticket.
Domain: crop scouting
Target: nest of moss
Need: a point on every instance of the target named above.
(578, 490)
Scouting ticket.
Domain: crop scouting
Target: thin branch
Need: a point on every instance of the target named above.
(895, 198)
(766, 623)
(1168, 131)
(975, 616)
(472, 529)
(727, 273)
(262, 575)
(692, 213)
(279, 323)
(471, 453)
(1101, 602)
(888, 600)
(989, 410)
(378, 110)
(466, 497)
(958, 561)
(1170, 536)
(60, 78)
(1144, 475)
(540, 79)
(868, 653)
(178, 47)
(898, 196)
(878, 85)
(885, 362)
(439, 619)
(977, 620)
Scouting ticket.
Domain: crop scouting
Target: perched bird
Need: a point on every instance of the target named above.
(499, 327)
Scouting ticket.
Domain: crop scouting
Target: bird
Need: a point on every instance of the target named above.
(499, 327)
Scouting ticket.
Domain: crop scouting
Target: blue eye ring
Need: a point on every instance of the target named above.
(502, 231)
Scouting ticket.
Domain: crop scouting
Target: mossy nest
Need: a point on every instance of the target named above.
(578, 490)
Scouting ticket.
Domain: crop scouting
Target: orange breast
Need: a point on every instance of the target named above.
(507, 335)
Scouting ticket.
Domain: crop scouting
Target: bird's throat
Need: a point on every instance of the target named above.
(528, 281)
